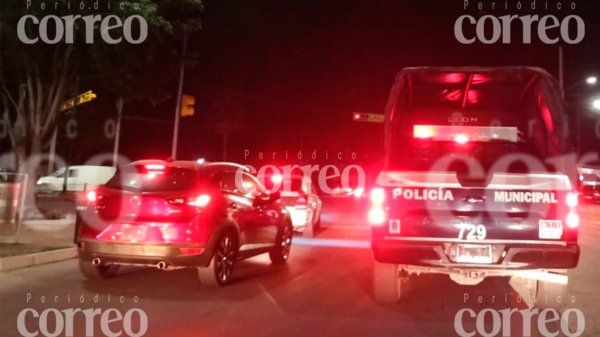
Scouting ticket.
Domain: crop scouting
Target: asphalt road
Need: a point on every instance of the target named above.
(324, 290)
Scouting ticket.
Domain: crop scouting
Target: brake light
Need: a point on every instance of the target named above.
(154, 169)
(465, 134)
(200, 201)
(377, 196)
(422, 131)
(572, 220)
(358, 192)
(572, 199)
(91, 196)
(301, 201)
(461, 139)
(377, 214)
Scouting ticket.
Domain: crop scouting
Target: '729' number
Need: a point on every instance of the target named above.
(472, 232)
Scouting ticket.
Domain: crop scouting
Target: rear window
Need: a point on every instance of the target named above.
(483, 116)
(136, 178)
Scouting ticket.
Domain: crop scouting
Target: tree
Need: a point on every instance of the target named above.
(36, 78)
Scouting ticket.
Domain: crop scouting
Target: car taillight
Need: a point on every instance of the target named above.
(154, 169)
(301, 201)
(377, 196)
(199, 201)
(572, 199)
(377, 212)
(572, 220)
(91, 196)
(276, 178)
(461, 139)
(422, 131)
(572, 217)
(358, 192)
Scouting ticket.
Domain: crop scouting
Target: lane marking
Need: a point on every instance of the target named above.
(341, 243)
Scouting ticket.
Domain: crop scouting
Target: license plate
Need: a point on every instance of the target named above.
(550, 229)
(130, 233)
(469, 253)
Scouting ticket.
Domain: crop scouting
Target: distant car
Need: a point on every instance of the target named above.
(79, 178)
(3, 175)
(181, 214)
(589, 184)
(300, 199)
(336, 188)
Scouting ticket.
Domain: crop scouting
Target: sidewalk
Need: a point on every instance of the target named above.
(40, 242)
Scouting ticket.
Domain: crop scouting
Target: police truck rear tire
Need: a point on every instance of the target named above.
(387, 286)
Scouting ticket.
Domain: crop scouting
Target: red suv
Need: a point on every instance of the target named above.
(181, 214)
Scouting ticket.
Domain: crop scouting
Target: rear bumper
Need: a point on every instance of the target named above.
(300, 216)
(145, 254)
(508, 254)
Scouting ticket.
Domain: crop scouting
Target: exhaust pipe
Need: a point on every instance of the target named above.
(162, 265)
(96, 261)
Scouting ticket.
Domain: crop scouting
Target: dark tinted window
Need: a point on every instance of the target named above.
(520, 101)
(171, 179)
(224, 181)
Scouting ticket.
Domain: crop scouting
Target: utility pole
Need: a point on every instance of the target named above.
(561, 74)
(119, 106)
(179, 94)
(52, 155)
(70, 143)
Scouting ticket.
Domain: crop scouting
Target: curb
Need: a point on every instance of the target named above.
(28, 260)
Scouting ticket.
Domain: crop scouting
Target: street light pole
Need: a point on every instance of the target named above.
(561, 78)
(179, 93)
(119, 107)
(52, 154)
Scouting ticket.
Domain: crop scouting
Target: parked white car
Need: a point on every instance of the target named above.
(303, 204)
(79, 178)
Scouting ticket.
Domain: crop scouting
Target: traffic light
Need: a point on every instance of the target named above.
(187, 105)
(77, 100)
(367, 117)
(86, 97)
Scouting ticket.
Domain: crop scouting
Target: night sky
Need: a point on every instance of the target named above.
(287, 75)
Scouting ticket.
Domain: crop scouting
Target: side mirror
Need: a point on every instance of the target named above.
(265, 199)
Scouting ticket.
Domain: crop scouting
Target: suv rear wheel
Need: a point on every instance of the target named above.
(220, 269)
